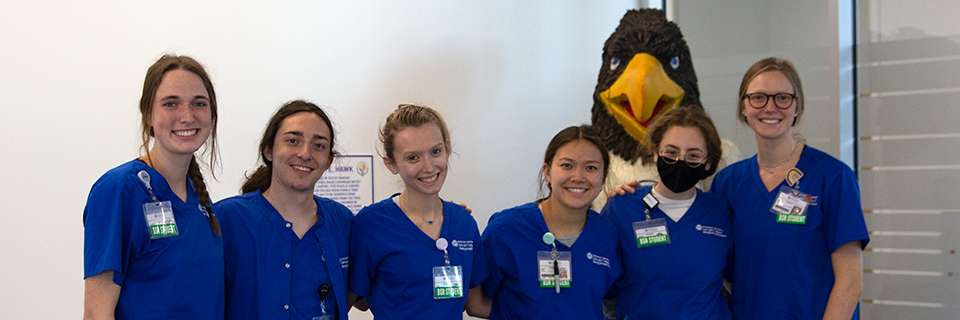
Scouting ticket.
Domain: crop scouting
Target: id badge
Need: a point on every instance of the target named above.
(651, 232)
(160, 221)
(791, 206)
(447, 282)
(550, 271)
(326, 317)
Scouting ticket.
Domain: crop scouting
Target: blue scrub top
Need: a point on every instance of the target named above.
(393, 260)
(512, 239)
(784, 270)
(273, 274)
(679, 280)
(178, 277)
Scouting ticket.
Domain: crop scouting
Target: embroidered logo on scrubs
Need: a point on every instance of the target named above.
(711, 230)
(463, 245)
(603, 261)
(345, 262)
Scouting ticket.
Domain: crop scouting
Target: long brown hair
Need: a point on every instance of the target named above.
(150, 85)
(262, 177)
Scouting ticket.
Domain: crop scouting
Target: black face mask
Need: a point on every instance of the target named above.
(680, 177)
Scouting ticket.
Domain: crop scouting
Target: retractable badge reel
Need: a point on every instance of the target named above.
(158, 214)
(555, 267)
(651, 232)
(324, 291)
(447, 279)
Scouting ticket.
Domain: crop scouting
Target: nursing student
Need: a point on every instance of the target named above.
(286, 250)
(554, 258)
(798, 228)
(675, 238)
(152, 246)
(414, 255)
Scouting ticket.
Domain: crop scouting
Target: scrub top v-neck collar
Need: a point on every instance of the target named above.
(421, 236)
(584, 234)
(755, 174)
(160, 185)
(695, 208)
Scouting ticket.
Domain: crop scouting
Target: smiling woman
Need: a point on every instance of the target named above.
(683, 230)
(413, 252)
(554, 258)
(149, 231)
(823, 227)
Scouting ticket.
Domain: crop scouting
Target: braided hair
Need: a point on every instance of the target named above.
(151, 83)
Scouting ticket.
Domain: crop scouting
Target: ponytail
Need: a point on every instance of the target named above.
(193, 172)
(259, 180)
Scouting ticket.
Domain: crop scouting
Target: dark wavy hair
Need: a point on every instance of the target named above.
(262, 177)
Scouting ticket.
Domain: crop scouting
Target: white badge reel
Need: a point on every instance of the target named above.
(447, 279)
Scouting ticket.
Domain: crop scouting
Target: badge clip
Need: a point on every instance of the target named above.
(650, 202)
(550, 239)
(442, 245)
(793, 177)
(323, 290)
(145, 178)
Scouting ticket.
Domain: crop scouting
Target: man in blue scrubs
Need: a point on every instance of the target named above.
(285, 250)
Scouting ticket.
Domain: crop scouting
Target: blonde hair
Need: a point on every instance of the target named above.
(410, 115)
(771, 64)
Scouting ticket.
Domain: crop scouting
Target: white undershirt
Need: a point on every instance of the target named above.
(675, 209)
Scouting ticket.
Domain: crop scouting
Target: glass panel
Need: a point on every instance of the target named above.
(725, 38)
(900, 115)
(909, 54)
(909, 189)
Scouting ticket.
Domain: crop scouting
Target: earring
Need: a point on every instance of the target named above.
(794, 120)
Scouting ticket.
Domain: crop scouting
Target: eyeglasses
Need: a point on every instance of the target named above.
(758, 100)
(692, 158)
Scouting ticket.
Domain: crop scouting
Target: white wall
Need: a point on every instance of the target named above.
(507, 75)
(726, 38)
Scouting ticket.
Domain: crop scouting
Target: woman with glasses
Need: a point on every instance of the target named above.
(798, 226)
(674, 238)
